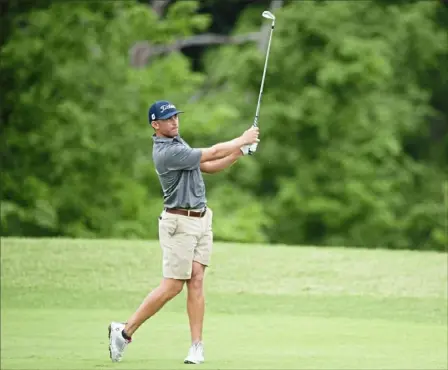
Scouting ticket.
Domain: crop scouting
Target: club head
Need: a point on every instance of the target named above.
(268, 15)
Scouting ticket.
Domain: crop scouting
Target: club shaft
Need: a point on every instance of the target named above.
(264, 75)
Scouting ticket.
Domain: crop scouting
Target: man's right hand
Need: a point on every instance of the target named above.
(250, 136)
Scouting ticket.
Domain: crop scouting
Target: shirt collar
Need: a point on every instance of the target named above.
(160, 139)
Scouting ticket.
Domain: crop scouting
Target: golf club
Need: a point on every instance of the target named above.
(268, 15)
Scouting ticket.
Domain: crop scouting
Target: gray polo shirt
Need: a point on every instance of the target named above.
(178, 168)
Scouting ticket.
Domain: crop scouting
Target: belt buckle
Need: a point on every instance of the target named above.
(188, 212)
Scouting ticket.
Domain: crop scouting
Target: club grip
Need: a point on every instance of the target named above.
(253, 148)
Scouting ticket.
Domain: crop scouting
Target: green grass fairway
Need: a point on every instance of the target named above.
(267, 307)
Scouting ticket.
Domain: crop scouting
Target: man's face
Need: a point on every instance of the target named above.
(167, 127)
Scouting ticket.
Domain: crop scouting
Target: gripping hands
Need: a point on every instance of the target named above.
(251, 140)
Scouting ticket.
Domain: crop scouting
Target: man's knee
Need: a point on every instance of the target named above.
(196, 281)
(172, 287)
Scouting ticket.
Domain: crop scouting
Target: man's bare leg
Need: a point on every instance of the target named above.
(196, 301)
(166, 291)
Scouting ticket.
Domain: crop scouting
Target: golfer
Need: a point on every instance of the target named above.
(185, 224)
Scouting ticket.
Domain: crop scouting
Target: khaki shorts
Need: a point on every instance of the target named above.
(185, 239)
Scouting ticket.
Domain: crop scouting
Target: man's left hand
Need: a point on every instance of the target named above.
(245, 149)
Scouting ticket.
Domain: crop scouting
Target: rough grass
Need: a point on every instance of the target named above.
(267, 307)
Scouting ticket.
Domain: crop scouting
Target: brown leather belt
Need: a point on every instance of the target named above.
(186, 212)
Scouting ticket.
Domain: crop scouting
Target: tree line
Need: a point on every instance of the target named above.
(354, 133)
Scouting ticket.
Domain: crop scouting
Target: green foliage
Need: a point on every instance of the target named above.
(78, 153)
(343, 93)
(353, 97)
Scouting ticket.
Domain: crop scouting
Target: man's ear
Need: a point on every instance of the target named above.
(155, 125)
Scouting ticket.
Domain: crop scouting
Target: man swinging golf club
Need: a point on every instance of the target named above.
(185, 225)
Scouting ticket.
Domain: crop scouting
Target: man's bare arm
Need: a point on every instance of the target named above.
(222, 150)
(218, 165)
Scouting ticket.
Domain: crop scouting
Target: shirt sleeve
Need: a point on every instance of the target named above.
(181, 157)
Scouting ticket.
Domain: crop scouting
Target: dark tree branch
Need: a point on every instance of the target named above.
(142, 52)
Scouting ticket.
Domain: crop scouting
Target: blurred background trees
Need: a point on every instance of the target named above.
(354, 148)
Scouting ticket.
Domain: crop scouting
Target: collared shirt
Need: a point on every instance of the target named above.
(178, 168)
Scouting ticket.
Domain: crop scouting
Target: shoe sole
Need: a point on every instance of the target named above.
(109, 329)
(188, 362)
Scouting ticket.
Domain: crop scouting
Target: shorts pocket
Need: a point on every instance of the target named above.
(167, 224)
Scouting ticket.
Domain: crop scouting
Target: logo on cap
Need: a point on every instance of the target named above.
(162, 109)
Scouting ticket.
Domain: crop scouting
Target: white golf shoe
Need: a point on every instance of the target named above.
(195, 354)
(117, 344)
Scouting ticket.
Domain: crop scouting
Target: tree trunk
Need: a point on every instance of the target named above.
(265, 28)
(159, 6)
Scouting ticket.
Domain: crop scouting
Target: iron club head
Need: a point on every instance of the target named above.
(268, 15)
